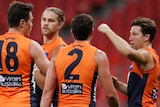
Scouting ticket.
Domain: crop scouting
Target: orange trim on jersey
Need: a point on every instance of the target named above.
(152, 83)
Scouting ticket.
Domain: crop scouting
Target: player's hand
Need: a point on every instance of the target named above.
(103, 28)
(115, 82)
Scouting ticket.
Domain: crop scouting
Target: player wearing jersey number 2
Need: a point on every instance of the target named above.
(76, 68)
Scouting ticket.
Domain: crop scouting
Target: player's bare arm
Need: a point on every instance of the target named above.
(39, 78)
(50, 85)
(39, 56)
(106, 79)
(141, 56)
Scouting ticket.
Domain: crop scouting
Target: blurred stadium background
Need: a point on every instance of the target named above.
(117, 13)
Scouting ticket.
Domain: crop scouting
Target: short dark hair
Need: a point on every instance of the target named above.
(81, 26)
(17, 11)
(147, 25)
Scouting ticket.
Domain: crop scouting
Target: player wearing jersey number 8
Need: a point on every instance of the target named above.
(17, 56)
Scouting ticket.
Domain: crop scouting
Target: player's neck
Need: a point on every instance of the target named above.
(148, 45)
(49, 38)
(14, 30)
(84, 41)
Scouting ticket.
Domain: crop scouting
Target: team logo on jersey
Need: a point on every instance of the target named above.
(154, 93)
(46, 54)
(71, 88)
(131, 67)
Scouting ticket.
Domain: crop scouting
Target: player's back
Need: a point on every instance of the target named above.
(76, 75)
(16, 65)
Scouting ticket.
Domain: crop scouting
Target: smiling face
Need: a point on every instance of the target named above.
(137, 39)
(49, 23)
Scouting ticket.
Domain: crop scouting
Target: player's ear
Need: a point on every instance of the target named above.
(92, 32)
(61, 25)
(22, 23)
(72, 33)
(147, 37)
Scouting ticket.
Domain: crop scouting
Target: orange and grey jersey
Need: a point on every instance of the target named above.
(77, 76)
(143, 85)
(50, 47)
(16, 76)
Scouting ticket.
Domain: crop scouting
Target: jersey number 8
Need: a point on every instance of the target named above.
(11, 55)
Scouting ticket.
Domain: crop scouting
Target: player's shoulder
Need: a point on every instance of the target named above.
(100, 53)
(35, 46)
(34, 43)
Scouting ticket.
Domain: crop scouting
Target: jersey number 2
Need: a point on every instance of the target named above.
(69, 69)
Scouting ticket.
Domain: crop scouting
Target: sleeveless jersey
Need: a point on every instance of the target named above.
(16, 76)
(77, 76)
(143, 85)
(49, 48)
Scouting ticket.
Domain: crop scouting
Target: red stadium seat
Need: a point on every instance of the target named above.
(98, 3)
(117, 20)
(130, 13)
(69, 10)
(84, 6)
(146, 8)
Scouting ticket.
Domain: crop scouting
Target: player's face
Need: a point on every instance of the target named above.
(28, 25)
(137, 39)
(49, 23)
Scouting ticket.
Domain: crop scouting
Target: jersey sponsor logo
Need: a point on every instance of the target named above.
(71, 88)
(10, 80)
